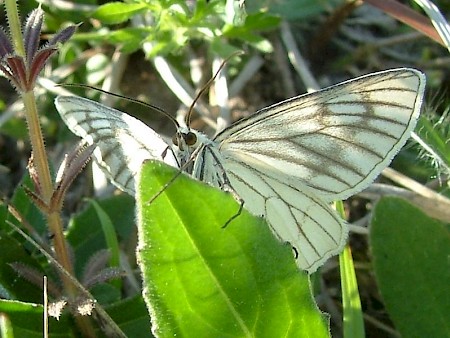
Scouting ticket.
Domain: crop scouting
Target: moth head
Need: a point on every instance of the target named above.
(185, 138)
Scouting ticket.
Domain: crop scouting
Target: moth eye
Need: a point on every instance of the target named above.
(178, 141)
(190, 138)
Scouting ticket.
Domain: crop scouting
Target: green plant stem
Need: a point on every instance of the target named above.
(14, 27)
(353, 322)
(40, 162)
(54, 221)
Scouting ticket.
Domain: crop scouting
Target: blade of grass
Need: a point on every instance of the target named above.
(353, 323)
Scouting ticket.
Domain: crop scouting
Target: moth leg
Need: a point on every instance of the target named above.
(225, 185)
(164, 154)
(183, 166)
(236, 215)
(166, 186)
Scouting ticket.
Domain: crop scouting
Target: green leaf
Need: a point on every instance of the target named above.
(110, 234)
(112, 242)
(85, 232)
(26, 319)
(6, 328)
(410, 253)
(117, 12)
(293, 9)
(436, 135)
(132, 317)
(129, 39)
(15, 127)
(26, 207)
(204, 277)
(245, 36)
(11, 285)
(220, 47)
(261, 22)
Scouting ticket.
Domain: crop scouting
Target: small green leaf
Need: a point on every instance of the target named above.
(117, 12)
(220, 47)
(261, 21)
(85, 232)
(129, 39)
(121, 36)
(14, 127)
(295, 10)
(6, 328)
(436, 135)
(410, 253)
(26, 320)
(132, 317)
(245, 36)
(27, 208)
(13, 286)
(110, 234)
(205, 279)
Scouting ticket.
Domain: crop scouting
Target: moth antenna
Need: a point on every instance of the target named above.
(207, 85)
(129, 99)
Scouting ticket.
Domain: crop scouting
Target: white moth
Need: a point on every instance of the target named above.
(287, 162)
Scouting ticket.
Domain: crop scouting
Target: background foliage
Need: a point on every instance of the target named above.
(240, 276)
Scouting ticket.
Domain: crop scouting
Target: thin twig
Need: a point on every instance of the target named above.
(381, 325)
(245, 75)
(434, 205)
(114, 74)
(221, 94)
(357, 228)
(297, 60)
(413, 185)
(285, 68)
(181, 88)
(195, 67)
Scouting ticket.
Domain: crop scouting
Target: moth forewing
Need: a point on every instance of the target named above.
(336, 140)
(122, 142)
